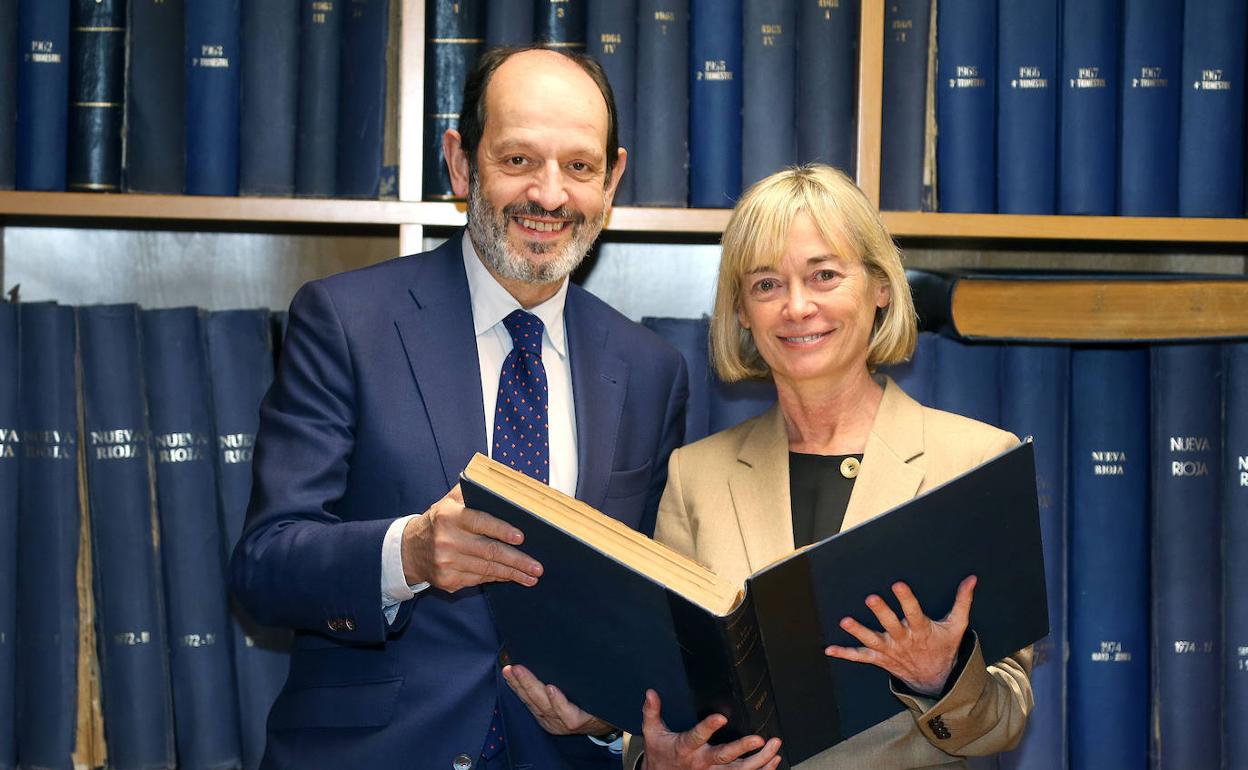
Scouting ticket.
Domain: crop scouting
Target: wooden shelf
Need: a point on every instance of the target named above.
(914, 224)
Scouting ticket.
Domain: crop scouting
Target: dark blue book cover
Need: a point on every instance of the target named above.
(10, 453)
(660, 162)
(611, 38)
(240, 362)
(42, 93)
(689, 336)
(715, 103)
(1088, 135)
(316, 132)
(769, 87)
(180, 413)
(455, 37)
(966, 98)
(155, 151)
(1187, 544)
(1235, 538)
(8, 94)
(917, 377)
(1148, 166)
(827, 81)
(48, 532)
(1211, 128)
(97, 81)
(268, 97)
(1108, 673)
(1027, 107)
(212, 92)
(559, 23)
(907, 24)
(508, 22)
(130, 616)
(362, 110)
(968, 379)
(1035, 401)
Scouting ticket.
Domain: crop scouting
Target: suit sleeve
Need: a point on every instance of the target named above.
(297, 563)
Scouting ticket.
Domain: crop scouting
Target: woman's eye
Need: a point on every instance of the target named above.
(825, 275)
(765, 285)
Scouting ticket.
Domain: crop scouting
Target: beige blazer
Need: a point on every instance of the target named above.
(727, 505)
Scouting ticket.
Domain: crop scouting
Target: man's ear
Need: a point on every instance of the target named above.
(456, 162)
(617, 173)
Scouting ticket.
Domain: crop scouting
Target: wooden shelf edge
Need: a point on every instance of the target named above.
(916, 224)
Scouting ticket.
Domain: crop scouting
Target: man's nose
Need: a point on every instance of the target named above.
(548, 190)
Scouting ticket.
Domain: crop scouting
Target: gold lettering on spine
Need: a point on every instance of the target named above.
(714, 69)
(1029, 77)
(967, 76)
(180, 447)
(321, 10)
(1111, 652)
(1150, 77)
(770, 32)
(1243, 470)
(1087, 77)
(1212, 80)
(8, 438)
(212, 56)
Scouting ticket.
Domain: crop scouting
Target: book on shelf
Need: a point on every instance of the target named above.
(10, 458)
(966, 95)
(768, 89)
(269, 97)
(1088, 134)
(507, 22)
(155, 157)
(660, 162)
(367, 115)
(611, 38)
(1148, 170)
(42, 93)
(715, 53)
(8, 100)
(755, 653)
(903, 128)
(1235, 545)
(827, 82)
(212, 89)
(1027, 107)
(452, 45)
(97, 95)
(1080, 306)
(968, 379)
(560, 23)
(316, 132)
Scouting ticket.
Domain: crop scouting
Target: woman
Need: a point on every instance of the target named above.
(812, 293)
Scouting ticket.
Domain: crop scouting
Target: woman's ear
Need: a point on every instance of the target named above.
(742, 319)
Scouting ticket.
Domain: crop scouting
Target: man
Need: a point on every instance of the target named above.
(389, 381)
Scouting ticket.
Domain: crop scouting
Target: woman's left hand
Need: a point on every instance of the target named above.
(919, 651)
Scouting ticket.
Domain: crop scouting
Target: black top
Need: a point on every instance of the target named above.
(819, 492)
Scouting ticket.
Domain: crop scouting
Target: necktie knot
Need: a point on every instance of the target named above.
(525, 330)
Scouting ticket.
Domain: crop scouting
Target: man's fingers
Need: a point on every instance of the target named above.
(855, 654)
(860, 632)
(768, 758)
(723, 754)
(886, 616)
(960, 615)
(456, 494)
(481, 570)
(700, 734)
(528, 687)
(915, 618)
(482, 523)
(651, 722)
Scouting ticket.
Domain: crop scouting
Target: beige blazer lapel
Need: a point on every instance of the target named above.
(887, 479)
(760, 494)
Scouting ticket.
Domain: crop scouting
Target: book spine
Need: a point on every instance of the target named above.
(1035, 402)
(611, 38)
(768, 89)
(8, 94)
(10, 453)
(1088, 134)
(451, 49)
(689, 336)
(732, 403)
(508, 22)
(240, 359)
(748, 675)
(212, 72)
(269, 97)
(968, 379)
(1148, 174)
(155, 155)
(1108, 672)
(906, 27)
(661, 161)
(191, 543)
(361, 117)
(49, 528)
(1211, 133)
(917, 377)
(42, 93)
(827, 77)
(1027, 107)
(715, 103)
(966, 77)
(1187, 543)
(316, 131)
(138, 712)
(1235, 539)
(97, 95)
(559, 23)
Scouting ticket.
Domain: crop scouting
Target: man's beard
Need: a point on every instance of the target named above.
(487, 226)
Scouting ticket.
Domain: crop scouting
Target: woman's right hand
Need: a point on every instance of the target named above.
(666, 750)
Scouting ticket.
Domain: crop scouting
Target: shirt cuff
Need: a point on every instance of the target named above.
(394, 587)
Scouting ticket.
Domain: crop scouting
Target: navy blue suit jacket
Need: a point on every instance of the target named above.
(375, 410)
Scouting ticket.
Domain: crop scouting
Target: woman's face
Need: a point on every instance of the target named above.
(811, 316)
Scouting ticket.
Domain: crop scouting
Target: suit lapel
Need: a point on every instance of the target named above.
(887, 479)
(599, 382)
(760, 491)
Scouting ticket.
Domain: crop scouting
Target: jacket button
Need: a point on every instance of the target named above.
(461, 762)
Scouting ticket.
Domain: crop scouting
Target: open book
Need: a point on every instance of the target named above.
(616, 613)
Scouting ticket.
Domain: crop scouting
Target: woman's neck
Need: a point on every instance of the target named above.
(829, 417)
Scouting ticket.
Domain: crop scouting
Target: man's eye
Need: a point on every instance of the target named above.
(516, 160)
(579, 166)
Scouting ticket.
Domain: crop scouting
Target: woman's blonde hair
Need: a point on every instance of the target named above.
(756, 237)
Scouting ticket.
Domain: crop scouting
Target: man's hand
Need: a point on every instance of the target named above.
(453, 547)
(919, 651)
(553, 711)
(666, 750)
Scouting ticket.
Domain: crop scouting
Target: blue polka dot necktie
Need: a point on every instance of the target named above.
(521, 435)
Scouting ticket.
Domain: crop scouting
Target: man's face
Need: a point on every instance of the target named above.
(539, 193)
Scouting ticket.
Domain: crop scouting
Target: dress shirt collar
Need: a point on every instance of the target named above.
(491, 303)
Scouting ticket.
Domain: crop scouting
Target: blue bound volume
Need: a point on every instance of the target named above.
(907, 24)
(178, 395)
(560, 23)
(732, 403)
(240, 359)
(42, 93)
(1187, 543)
(966, 94)
(1027, 107)
(362, 115)
(8, 94)
(212, 72)
(917, 377)
(968, 379)
(454, 42)
(1108, 681)
(316, 127)
(1088, 138)
(715, 103)
(508, 22)
(660, 162)
(1211, 133)
(1035, 402)
(611, 38)
(10, 453)
(138, 712)
(689, 336)
(269, 97)
(1235, 539)
(97, 95)
(769, 82)
(827, 80)
(155, 159)
(1148, 173)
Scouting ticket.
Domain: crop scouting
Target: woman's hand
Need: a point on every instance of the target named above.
(919, 651)
(666, 750)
